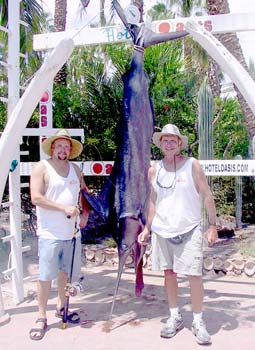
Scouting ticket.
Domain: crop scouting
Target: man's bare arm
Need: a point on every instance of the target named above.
(83, 206)
(204, 190)
(144, 235)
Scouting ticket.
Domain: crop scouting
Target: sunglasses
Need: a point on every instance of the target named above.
(172, 185)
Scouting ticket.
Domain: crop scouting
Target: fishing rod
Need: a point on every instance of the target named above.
(68, 286)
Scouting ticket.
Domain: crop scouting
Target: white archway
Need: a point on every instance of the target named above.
(64, 43)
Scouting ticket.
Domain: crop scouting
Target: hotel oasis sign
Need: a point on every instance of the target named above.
(228, 167)
(231, 22)
(210, 167)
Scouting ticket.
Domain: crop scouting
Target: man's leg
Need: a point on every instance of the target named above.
(175, 321)
(72, 317)
(43, 291)
(48, 252)
(196, 293)
(171, 287)
(64, 266)
(198, 325)
(62, 279)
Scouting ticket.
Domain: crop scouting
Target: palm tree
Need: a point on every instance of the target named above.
(196, 58)
(231, 42)
(186, 8)
(59, 26)
(160, 11)
(102, 16)
(60, 13)
(33, 15)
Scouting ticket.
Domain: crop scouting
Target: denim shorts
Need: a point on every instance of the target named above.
(185, 258)
(56, 255)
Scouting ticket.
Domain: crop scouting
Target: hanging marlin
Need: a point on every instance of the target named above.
(123, 201)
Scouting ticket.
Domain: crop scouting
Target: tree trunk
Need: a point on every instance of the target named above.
(102, 16)
(60, 25)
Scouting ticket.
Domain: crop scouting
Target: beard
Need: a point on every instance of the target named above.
(62, 156)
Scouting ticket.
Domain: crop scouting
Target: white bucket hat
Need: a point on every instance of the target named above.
(169, 129)
(62, 134)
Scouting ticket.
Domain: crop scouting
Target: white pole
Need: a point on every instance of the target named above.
(14, 178)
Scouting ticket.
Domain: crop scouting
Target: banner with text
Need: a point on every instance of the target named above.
(210, 167)
(228, 167)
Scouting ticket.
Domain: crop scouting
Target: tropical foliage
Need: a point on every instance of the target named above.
(92, 93)
(92, 97)
(35, 19)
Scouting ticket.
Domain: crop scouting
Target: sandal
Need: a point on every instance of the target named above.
(73, 317)
(40, 331)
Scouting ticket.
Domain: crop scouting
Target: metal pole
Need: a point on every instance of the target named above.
(14, 177)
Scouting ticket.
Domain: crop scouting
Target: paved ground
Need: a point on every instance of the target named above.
(229, 314)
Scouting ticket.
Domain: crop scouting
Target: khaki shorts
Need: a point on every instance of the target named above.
(185, 258)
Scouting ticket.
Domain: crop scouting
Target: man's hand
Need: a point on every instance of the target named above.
(144, 236)
(211, 235)
(71, 211)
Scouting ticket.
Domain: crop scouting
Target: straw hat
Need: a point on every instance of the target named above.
(62, 134)
(169, 129)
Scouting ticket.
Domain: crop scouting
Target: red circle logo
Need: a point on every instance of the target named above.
(164, 27)
(97, 168)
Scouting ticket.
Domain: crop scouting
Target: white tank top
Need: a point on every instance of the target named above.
(53, 224)
(178, 209)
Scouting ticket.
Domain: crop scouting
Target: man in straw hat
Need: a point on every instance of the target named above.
(178, 187)
(55, 187)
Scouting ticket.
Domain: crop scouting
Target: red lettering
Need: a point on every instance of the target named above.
(208, 25)
(44, 121)
(108, 169)
(43, 109)
(180, 27)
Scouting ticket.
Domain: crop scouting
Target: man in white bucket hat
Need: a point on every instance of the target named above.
(55, 187)
(178, 187)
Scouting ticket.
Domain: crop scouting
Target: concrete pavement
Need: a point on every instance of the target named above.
(229, 314)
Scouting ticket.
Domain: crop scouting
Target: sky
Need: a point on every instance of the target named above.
(74, 20)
